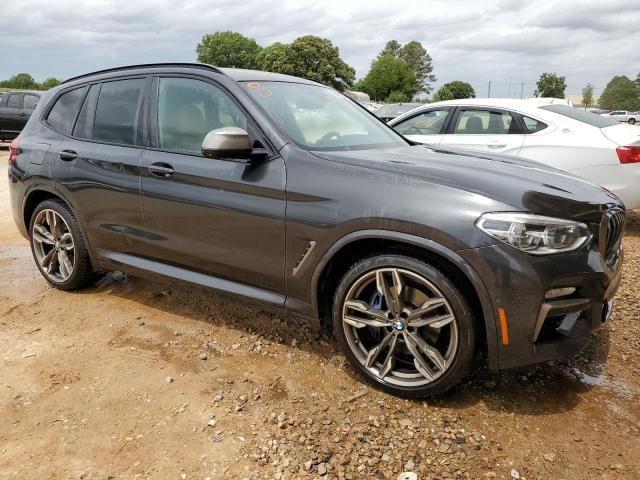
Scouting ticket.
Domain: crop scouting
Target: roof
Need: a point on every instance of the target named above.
(237, 74)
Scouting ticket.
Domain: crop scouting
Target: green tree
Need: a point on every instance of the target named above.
(443, 94)
(50, 83)
(389, 74)
(621, 93)
(392, 47)
(459, 89)
(309, 57)
(587, 95)
(271, 58)
(398, 97)
(22, 81)
(417, 58)
(550, 85)
(228, 49)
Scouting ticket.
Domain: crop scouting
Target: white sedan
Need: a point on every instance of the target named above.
(598, 149)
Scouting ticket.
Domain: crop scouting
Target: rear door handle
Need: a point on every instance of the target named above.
(68, 155)
(160, 169)
(23, 114)
(496, 144)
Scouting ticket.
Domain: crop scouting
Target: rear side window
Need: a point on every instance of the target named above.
(581, 116)
(118, 110)
(64, 111)
(532, 125)
(14, 101)
(30, 101)
(485, 122)
(84, 125)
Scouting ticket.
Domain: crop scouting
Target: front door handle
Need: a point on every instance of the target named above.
(160, 169)
(68, 155)
(496, 144)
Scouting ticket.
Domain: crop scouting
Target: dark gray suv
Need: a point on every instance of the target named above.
(287, 193)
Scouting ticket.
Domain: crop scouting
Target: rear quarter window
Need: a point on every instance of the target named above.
(581, 116)
(532, 125)
(64, 111)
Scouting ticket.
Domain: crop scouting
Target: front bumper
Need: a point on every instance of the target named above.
(531, 328)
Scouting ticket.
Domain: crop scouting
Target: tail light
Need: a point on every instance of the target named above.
(13, 151)
(629, 154)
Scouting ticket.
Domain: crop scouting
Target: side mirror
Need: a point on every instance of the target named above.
(227, 142)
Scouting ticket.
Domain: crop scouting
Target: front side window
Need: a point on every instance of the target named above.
(188, 109)
(426, 123)
(30, 101)
(64, 111)
(14, 100)
(485, 122)
(319, 118)
(118, 110)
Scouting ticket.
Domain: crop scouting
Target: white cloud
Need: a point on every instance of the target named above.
(503, 41)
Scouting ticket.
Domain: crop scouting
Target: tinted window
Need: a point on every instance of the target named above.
(30, 101)
(427, 123)
(581, 115)
(485, 122)
(189, 109)
(116, 116)
(532, 125)
(84, 125)
(65, 109)
(14, 101)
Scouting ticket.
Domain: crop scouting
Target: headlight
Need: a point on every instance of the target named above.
(533, 233)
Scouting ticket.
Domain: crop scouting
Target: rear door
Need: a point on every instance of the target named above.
(221, 218)
(98, 162)
(427, 126)
(485, 129)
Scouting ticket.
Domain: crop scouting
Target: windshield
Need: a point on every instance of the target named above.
(581, 116)
(395, 110)
(319, 118)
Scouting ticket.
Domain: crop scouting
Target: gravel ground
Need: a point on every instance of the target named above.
(134, 379)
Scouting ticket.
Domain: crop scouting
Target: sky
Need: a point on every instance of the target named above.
(506, 42)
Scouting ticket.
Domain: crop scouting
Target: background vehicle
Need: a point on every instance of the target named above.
(285, 192)
(598, 149)
(623, 116)
(15, 109)
(392, 110)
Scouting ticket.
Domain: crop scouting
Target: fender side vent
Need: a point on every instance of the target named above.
(304, 256)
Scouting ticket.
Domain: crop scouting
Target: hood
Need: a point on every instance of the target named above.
(524, 184)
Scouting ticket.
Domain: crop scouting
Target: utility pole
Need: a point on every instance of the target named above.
(489, 92)
(521, 89)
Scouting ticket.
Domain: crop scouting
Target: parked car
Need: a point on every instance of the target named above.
(285, 192)
(390, 111)
(15, 109)
(623, 116)
(590, 146)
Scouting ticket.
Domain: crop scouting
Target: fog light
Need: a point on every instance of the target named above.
(559, 292)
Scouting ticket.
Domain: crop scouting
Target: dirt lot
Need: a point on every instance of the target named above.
(133, 379)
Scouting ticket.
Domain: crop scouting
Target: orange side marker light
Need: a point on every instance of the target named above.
(504, 329)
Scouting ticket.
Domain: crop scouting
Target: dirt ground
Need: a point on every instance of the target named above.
(134, 379)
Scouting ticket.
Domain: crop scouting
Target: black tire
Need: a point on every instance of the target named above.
(82, 272)
(632, 121)
(466, 332)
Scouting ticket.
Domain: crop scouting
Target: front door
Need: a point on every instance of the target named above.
(218, 218)
(485, 129)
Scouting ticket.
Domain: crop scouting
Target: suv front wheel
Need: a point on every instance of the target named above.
(404, 326)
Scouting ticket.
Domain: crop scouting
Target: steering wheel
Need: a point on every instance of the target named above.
(328, 136)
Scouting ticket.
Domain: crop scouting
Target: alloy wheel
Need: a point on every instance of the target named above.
(400, 327)
(53, 245)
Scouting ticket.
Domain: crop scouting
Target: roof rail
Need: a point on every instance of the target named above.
(203, 66)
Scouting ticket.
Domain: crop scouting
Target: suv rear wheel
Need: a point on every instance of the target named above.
(58, 246)
(404, 326)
